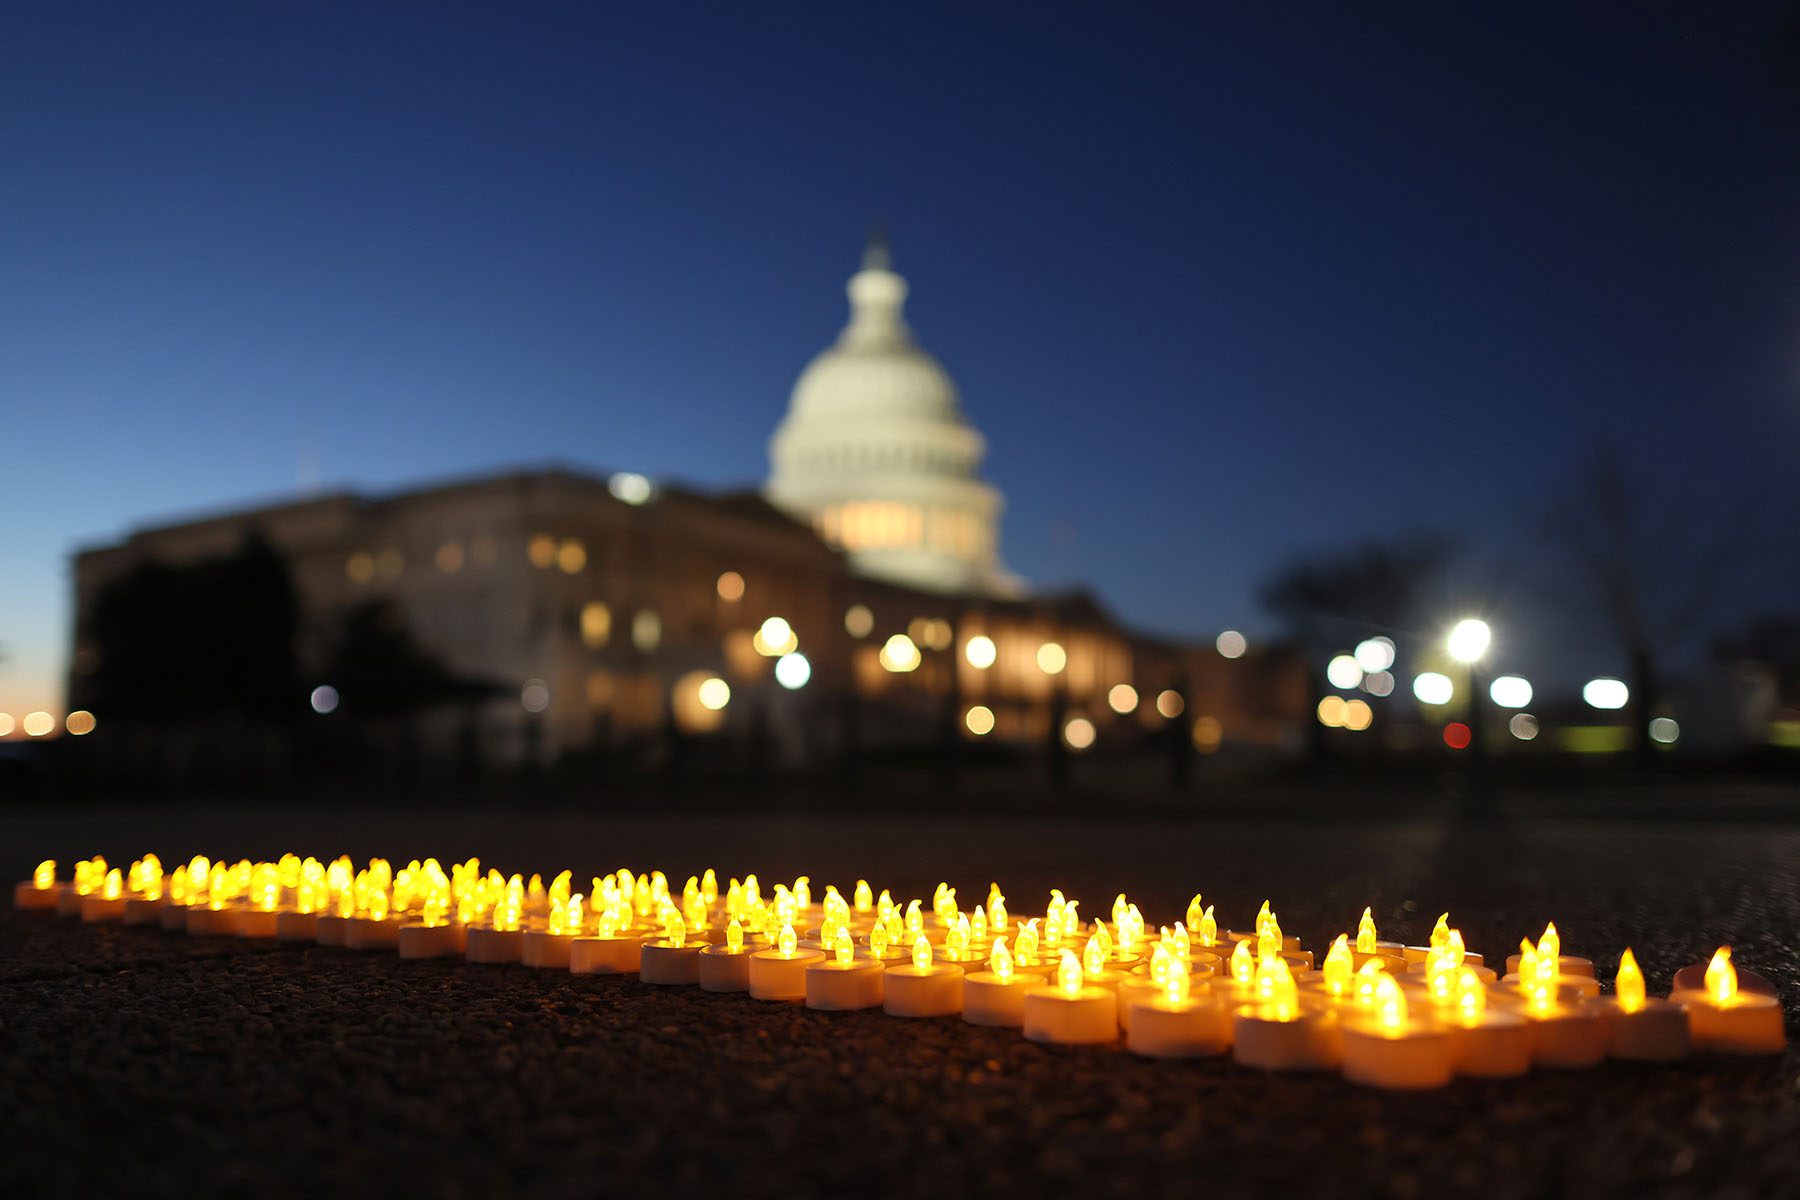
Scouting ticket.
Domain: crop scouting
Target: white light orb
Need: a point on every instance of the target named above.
(1378, 683)
(899, 655)
(1664, 730)
(775, 638)
(980, 652)
(1431, 687)
(858, 620)
(1469, 640)
(1231, 644)
(324, 699)
(629, 487)
(1079, 733)
(1610, 694)
(714, 693)
(1375, 654)
(1510, 691)
(535, 695)
(1052, 658)
(792, 671)
(1523, 726)
(979, 720)
(1123, 698)
(1343, 672)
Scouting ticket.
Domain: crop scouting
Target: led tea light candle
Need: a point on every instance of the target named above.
(996, 996)
(1274, 1033)
(613, 950)
(1267, 924)
(844, 982)
(1097, 970)
(433, 935)
(957, 948)
(725, 967)
(213, 915)
(780, 973)
(673, 958)
(261, 917)
(922, 988)
(1638, 1027)
(301, 922)
(1540, 966)
(1369, 946)
(1391, 1048)
(1069, 1012)
(1172, 1022)
(1727, 1019)
(40, 892)
(551, 948)
(144, 899)
(106, 903)
(1415, 956)
(500, 940)
(1565, 1033)
(1485, 1044)
(1549, 946)
(90, 877)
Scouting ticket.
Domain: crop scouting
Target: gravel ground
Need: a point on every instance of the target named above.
(133, 1059)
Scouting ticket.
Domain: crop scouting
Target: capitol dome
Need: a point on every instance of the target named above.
(876, 454)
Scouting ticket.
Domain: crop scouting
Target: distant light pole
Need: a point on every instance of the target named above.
(1468, 644)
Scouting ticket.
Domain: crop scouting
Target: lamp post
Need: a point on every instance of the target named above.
(1468, 644)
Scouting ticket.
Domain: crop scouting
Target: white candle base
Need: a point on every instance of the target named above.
(96, 908)
(366, 933)
(778, 976)
(430, 941)
(987, 1001)
(723, 971)
(935, 991)
(1750, 1024)
(1308, 1042)
(831, 987)
(604, 955)
(211, 922)
(297, 926)
(1089, 1018)
(68, 900)
(544, 950)
(1496, 1046)
(329, 930)
(257, 923)
(27, 894)
(142, 911)
(1692, 978)
(660, 962)
(1419, 1057)
(485, 944)
(1156, 1028)
(1570, 1038)
(1657, 1032)
(174, 918)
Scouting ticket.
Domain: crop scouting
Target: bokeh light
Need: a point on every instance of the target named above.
(1331, 712)
(1052, 658)
(713, 693)
(1431, 687)
(792, 671)
(1078, 733)
(324, 699)
(1378, 683)
(1456, 735)
(979, 720)
(1358, 715)
(1469, 640)
(629, 487)
(1123, 698)
(39, 723)
(859, 622)
(731, 587)
(1375, 654)
(1663, 730)
(535, 695)
(1231, 644)
(1523, 726)
(1170, 704)
(1604, 693)
(81, 722)
(899, 655)
(980, 652)
(775, 638)
(1343, 672)
(1208, 733)
(6, 724)
(1510, 691)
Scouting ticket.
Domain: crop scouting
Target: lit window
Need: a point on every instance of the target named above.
(731, 587)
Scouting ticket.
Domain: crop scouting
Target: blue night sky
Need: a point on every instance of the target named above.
(1220, 289)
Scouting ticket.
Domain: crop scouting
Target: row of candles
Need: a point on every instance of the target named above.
(1385, 1014)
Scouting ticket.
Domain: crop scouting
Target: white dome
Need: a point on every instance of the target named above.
(876, 453)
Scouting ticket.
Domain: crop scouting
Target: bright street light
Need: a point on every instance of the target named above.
(1468, 640)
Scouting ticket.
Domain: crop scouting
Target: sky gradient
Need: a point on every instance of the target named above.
(1219, 289)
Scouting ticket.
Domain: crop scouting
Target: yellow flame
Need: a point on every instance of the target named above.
(1243, 967)
(575, 910)
(956, 941)
(1068, 974)
(45, 875)
(1053, 915)
(879, 941)
(1528, 957)
(709, 886)
(1194, 913)
(844, 948)
(786, 941)
(978, 926)
(1365, 933)
(1209, 928)
(884, 904)
(1440, 932)
(915, 919)
(1550, 945)
(1161, 964)
(1071, 918)
(1093, 956)
(1471, 994)
(1721, 977)
(1263, 917)
(1338, 965)
(1000, 961)
(1367, 979)
(734, 937)
(1628, 985)
(1178, 943)
(997, 916)
(178, 886)
(1390, 1004)
(921, 953)
(863, 897)
(802, 890)
(378, 904)
(1025, 944)
(1177, 986)
(674, 927)
(114, 887)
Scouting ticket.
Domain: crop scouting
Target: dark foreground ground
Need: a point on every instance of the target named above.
(145, 1063)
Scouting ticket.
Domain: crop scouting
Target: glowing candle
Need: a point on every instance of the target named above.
(1540, 967)
(1486, 1044)
(1639, 1027)
(500, 940)
(1267, 925)
(434, 934)
(340, 903)
(107, 902)
(996, 996)
(145, 899)
(1274, 1033)
(780, 973)
(612, 949)
(844, 981)
(1566, 1032)
(1391, 1048)
(211, 914)
(725, 966)
(1549, 947)
(1174, 1021)
(1727, 1018)
(89, 876)
(1415, 956)
(1069, 1012)
(375, 926)
(41, 890)
(922, 988)
(1369, 946)
(260, 916)
(673, 958)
